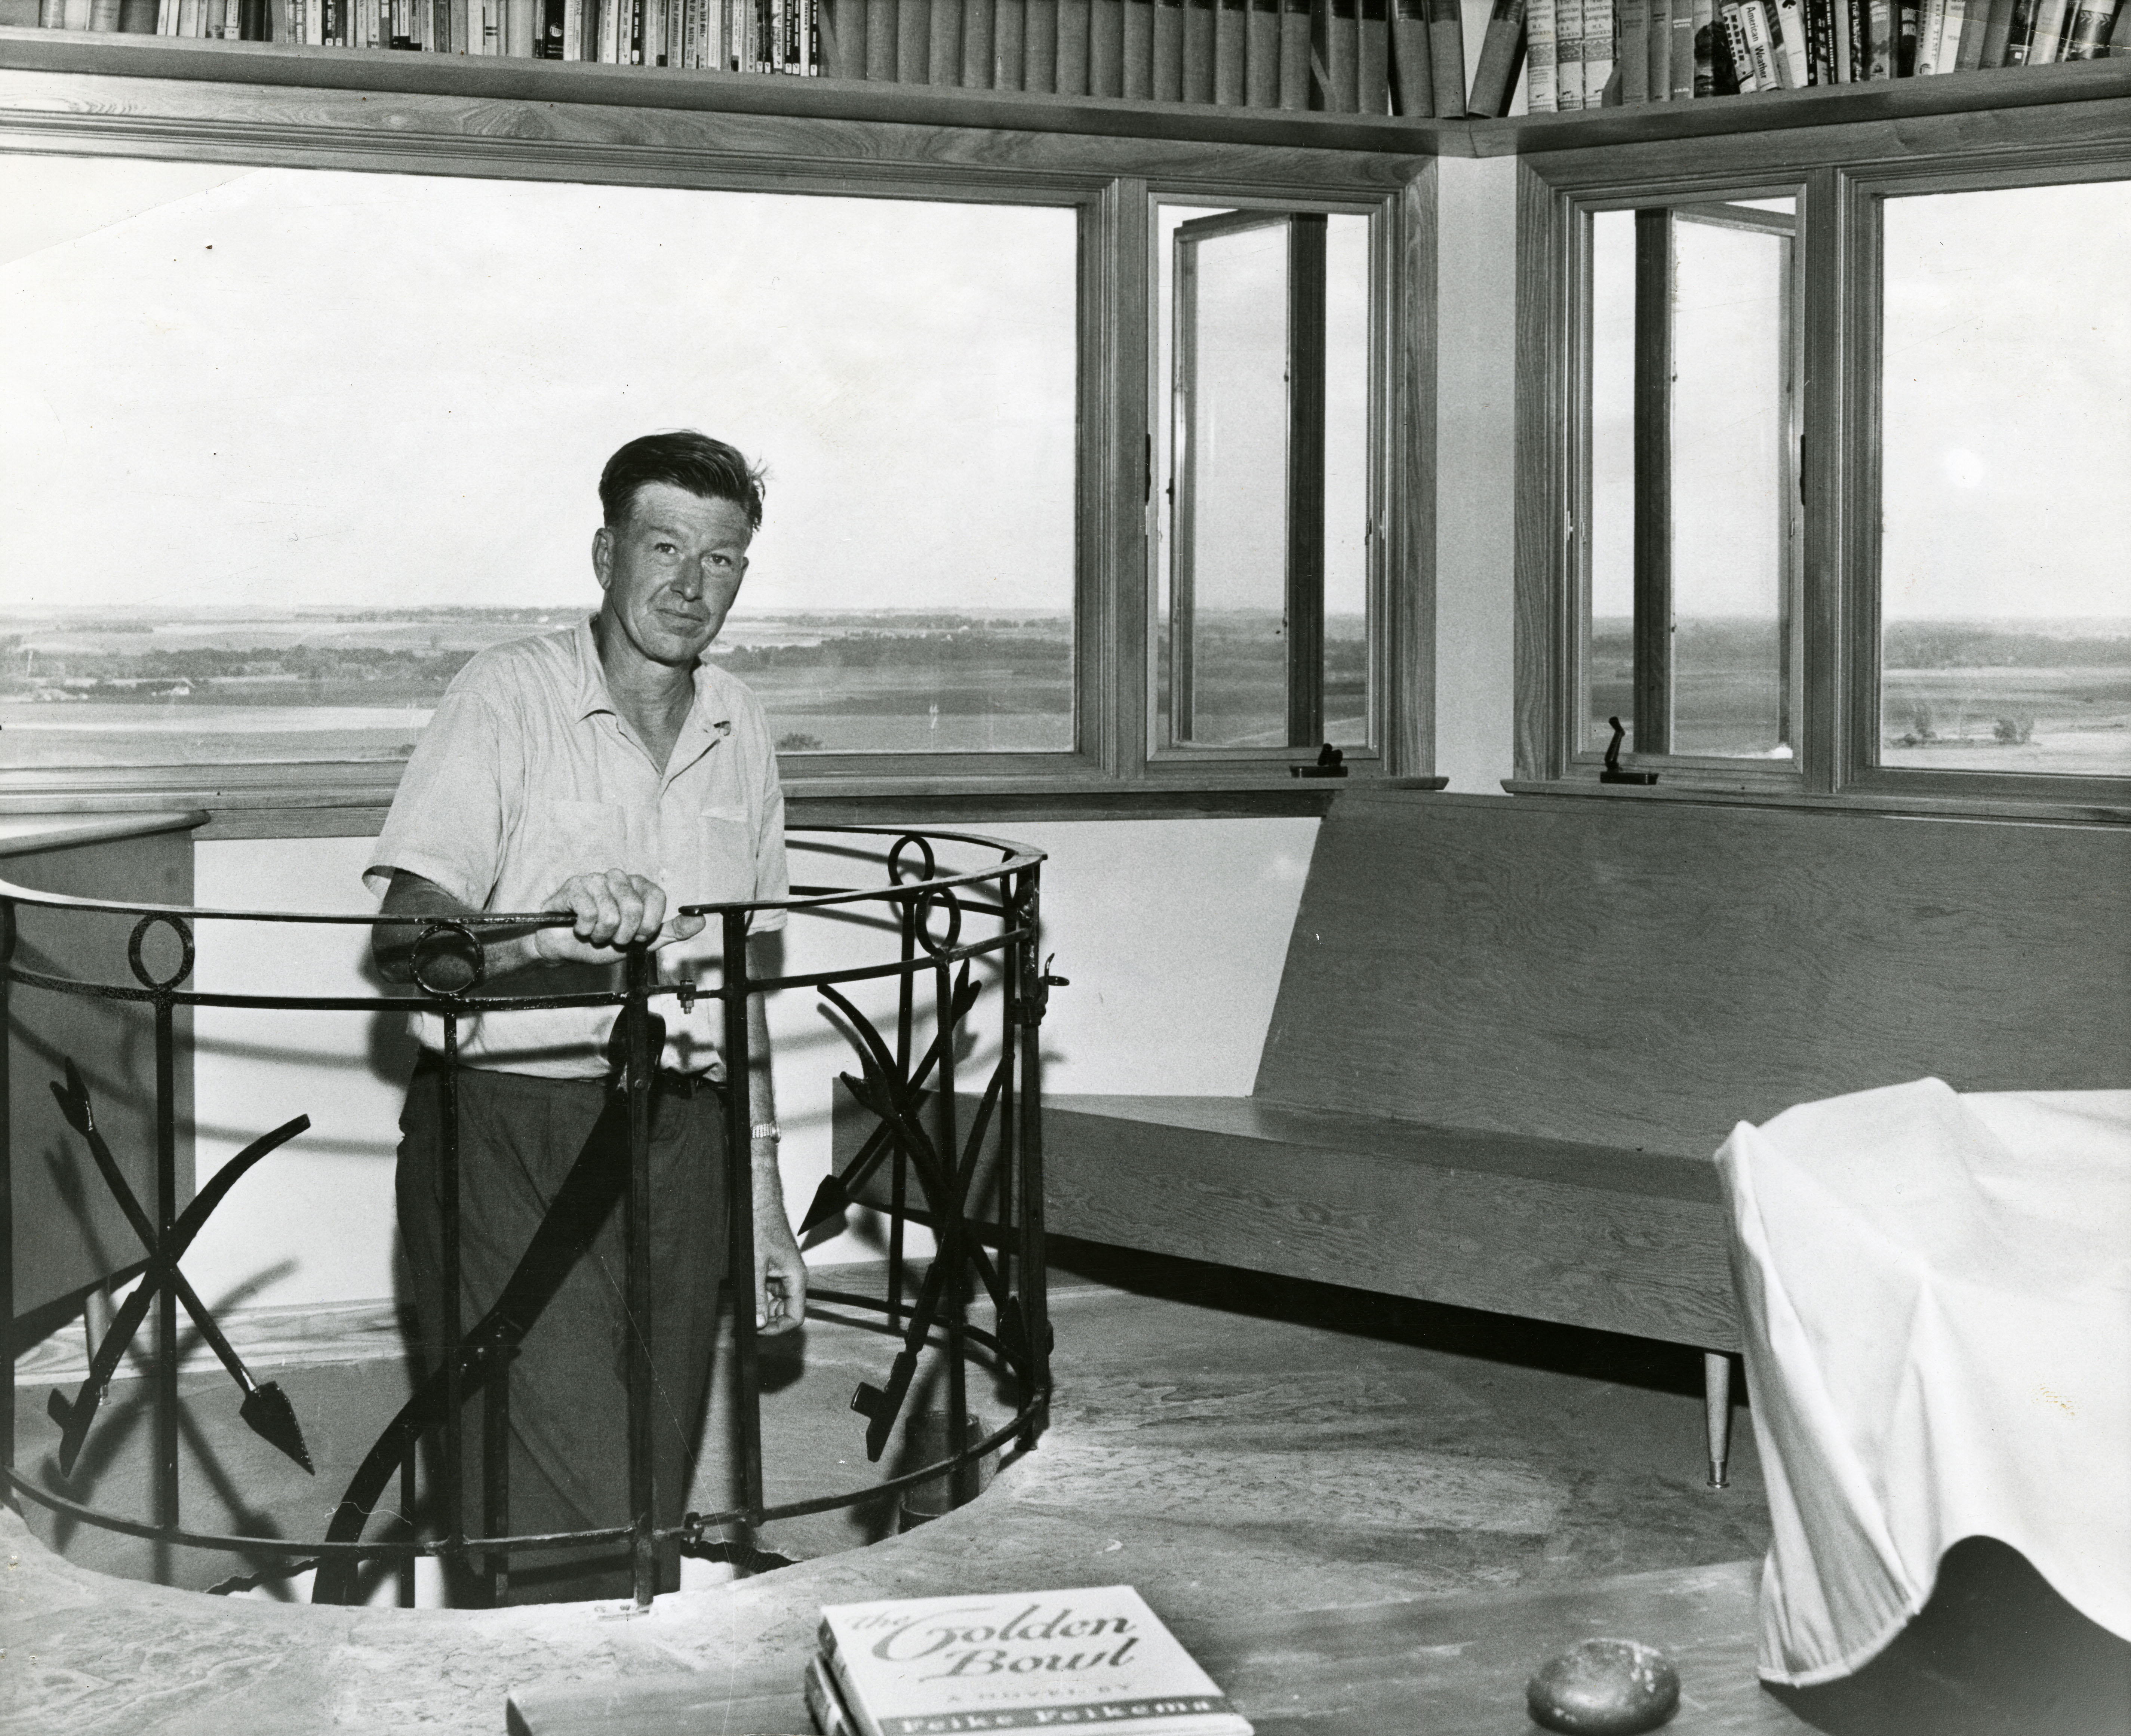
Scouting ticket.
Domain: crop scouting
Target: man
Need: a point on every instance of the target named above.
(609, 771)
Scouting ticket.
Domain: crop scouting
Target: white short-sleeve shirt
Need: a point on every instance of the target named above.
(528, 775)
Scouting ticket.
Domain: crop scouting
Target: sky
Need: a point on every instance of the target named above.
(267, 386)
(2006, 411)
(281, 386)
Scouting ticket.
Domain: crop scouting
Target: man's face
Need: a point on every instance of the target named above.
(671, 570)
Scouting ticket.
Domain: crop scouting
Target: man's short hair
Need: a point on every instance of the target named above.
(683, 459)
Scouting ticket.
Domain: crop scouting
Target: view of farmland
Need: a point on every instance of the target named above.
(2034, 695)
(129, 687)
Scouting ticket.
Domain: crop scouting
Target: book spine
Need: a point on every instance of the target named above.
(1075, 26)
(1929, 27)
(1106, 44)
(1735, 38)
(1446, 53)
(1974, 20)
(979, 50)
(1991, 52)
(103, 15)
(2119, 33)
(853, 1703)
(1165, 65)
(1039, 46)
(1138, 62)
(1756, 19)
(1880, 33)
(825, 1704)
(1372, 59)
(1541, 94)
(1681, 31)
(913, 40)
(1293, 52)
(1790, 30)
(943, 59)
(1198, 51)
(1227, 48)
(2090, 26)
(1951, 35)
(1653, 45)
(1009, 44)
(1859, 54)
(2044, 45)
(1598, 53)
(572, 35)
(1568, 55)
(1632, 33)
(880, 33)
(1501, 56)
(1262, 54)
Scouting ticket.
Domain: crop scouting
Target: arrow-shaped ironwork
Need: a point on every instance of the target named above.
(265, 1408)
(838, 1192)
(946, 1188)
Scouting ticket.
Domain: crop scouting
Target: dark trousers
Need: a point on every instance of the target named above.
(568, 1462)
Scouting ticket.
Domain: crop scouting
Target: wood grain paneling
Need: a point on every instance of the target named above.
(1645, 976)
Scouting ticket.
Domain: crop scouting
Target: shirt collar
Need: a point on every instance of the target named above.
(712, 708)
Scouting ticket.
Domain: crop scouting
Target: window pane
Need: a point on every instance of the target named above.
(2005, 606)
(1241, 293)
(291, 445)
(1707, 375)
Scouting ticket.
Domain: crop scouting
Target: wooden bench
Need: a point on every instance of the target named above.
(1511, 1032)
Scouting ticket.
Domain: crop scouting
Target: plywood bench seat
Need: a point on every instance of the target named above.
(1627, 1242)
(1588, 1236)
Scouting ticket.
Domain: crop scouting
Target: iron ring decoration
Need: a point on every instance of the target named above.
(895, 857)
(441, 941)
(185, 954)
(921, 915)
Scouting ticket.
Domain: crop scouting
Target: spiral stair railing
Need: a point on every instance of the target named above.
(918, 1135)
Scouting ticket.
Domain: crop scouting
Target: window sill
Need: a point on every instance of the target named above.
(1942, 807)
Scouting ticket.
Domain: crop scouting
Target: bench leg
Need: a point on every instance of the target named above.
(1717, 1412)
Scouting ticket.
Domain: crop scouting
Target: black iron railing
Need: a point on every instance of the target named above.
(919, 1137)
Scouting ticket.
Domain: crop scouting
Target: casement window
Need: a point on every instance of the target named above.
(299, 437)
(1265, 523)
(1808, 456)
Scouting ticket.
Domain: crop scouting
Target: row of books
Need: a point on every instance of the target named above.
(1588, 54)
(751, 35)
(1344, 56)
(1400, 57)
(1038, 1660)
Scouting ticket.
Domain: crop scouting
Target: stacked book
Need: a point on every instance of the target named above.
(1589, 54)
(1038, 1660)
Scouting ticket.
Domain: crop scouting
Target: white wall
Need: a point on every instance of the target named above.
(1476, 463)
(1173, 934)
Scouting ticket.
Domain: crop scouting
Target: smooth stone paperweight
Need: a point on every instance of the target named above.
(1604, 1687)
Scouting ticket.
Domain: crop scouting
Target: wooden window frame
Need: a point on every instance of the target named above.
(1841, 174)
(1169, 758)
(501, 120)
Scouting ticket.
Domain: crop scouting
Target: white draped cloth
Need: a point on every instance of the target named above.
(1936, 1293)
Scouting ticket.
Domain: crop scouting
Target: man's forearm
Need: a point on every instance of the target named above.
(762, 1105)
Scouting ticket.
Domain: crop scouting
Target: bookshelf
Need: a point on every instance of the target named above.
(2004, 92)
